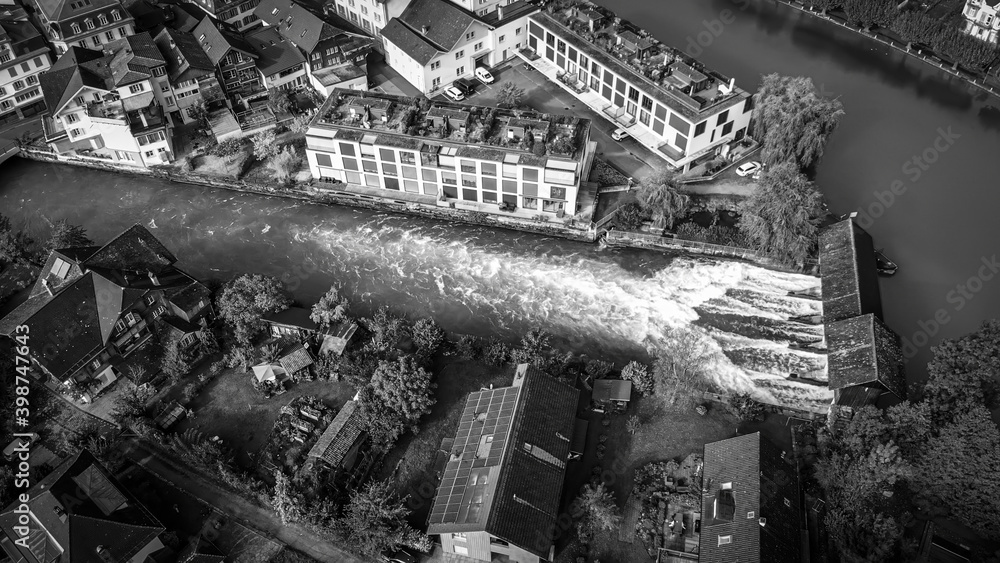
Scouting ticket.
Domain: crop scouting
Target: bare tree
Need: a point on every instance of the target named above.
(681, 370)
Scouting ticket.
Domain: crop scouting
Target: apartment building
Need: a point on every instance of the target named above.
(233, 58)
(335, 58)
(237, 13)
(671, 104)
(83, 23)
(981, 19)
(23, 57)
(499, 496)
(101, 107)
(470, 157)
(369, 15)
(191, 74)
(434, 42)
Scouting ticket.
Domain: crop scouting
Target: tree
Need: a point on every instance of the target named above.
(264, 145)
(535, 347)
(383, 424)
(300, 123)
(387, 328)
(916, 27)
(660, 196)
(405, 387)
(130, 404)
(285, 502)
(793, 120)
(278, 100)
(244, 300)
(630, 216)
(14, 245)
(599, 369)
(284, 164)
(970, 52)
(510, 95)
(428, 336)
(330, 309)
(598, 508)
(375, 521)
(745, 408)
(65, 235)
(781, 218)
(199, 113)
(681, 369)
(825, 5)
(638, 374)
(870, 13)
(176, 361)
(964, 373)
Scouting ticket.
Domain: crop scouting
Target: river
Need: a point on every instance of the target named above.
(617, 303)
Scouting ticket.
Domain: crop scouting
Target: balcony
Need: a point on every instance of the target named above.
(255, 118)
(573, 81)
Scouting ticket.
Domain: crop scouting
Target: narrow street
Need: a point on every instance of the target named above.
(252, 516)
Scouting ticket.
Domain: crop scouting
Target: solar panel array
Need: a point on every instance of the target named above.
(487, 413)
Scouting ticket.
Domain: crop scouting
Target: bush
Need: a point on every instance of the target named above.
(428, 336)
(469, 346)
(605, 175)
(228, 148)
(285, 164)
(599, 369)
(745, 408)
(640, 376)
(630, 216)
(496, 353)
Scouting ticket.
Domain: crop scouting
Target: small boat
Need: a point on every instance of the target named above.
(884, 266)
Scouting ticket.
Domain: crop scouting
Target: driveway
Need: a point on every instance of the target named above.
(544, 96)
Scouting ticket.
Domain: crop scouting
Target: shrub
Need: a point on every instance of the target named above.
(598, 369)
(469, 346)
(640, 376)
(745, 408)
(264, 146)
(496, 353)
(630, 216)
(228, 148)
(428, 336)
(285, 164)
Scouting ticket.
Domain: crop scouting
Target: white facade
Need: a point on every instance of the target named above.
(481, 46)
(981, 20)
(369, 15)
(19, 79)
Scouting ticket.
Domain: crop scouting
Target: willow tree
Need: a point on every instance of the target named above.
(660, 196)
(781, 218)
(793, 120)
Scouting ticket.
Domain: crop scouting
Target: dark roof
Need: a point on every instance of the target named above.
(48, 274)
(297, 317)
(446, 22)
(276, 53)
(340, 436)
(185, 58)
(514, 492)
(188, 296)
(745, 475)
(849, 272)
(59, 10)
(612, 390)
(149, 16)
(411, 42)
(296, 359)
(133, 58)
(863, 351)
(307, 26)
(178, 325)
(136, 250)
(103, 515)
(187, 16)
(217, 42)
(76, 68)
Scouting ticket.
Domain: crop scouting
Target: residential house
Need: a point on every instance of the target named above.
(294, 323)
(106, 106)
(982, 20)
(23, 57)
(94, 306)
(666, 101)
(191, 74)
(751, 508)
(80, 513)
(235, 61)
(279, 61)
(434, 42)
(500, 492)
(237, 13)
(335, 58)
(344, 447)
(369, 15)
(83, 23)
(460, 156)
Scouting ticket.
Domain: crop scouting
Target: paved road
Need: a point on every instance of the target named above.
(243, 511)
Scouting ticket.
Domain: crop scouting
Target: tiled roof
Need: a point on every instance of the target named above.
(747, 475)
(59, 10)
(296, 359)
(75, 69)
(863, 351)
(411, 42)
(136, 249)
(276, 53)
(446, 22)
(193, 63)
(293, 316)
(217, 42)
(134, 58)
(104, 515)
(612, 390)
(70, 256)
(306, 28)
(178, 325)
(849, 272)
(340, 436)
(187, 297)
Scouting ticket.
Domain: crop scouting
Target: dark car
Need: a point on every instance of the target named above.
(398, 556)
(466, 85)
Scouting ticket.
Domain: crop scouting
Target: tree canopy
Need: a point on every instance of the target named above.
(598, 509)
(659, 195)
(793, 120)
(243, 301)
(65, 235)
(375, 521)
(781, 218)
(14, 244)
(870, 13)
(400, 392)
(330, 309)
(509, 95)
(681, 370)
(965, 373)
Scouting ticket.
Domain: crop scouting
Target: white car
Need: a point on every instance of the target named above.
(484, 75)
(620, 134)
(454, 93)
(748, 168)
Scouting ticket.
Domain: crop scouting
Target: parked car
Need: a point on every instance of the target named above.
(484, 75)
(748, 168)
(465, 85)
(620, 134)
(398, 556)
(454, 93)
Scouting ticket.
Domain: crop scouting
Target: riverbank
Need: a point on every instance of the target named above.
(898, 44)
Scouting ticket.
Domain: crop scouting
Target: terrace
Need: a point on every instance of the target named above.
(671, 76)
(399, 121)
(110, 107)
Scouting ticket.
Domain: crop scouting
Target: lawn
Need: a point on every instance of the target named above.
(229, 407)
(410, 462)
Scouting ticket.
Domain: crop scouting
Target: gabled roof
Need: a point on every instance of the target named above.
(863, 351)
(296, 359)
(340, 436)
(303, 25)
(59, 10)
(55, 271)
(217, 41)
(276, 53)
(136, 250)
(104, 516)
(185, 58)
(297, 317)
(446, 22)
(411, 42)
(508, 463)
(746, 482)
(134, 58)
(188, 296)
(75, 69)
(849, 272)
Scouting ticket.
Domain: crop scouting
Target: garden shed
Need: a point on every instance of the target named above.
(616, 390)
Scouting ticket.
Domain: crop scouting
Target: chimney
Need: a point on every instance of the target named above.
(499, 12)
(45, 284)
(153, 278)
(732, 84)
(424, 29)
